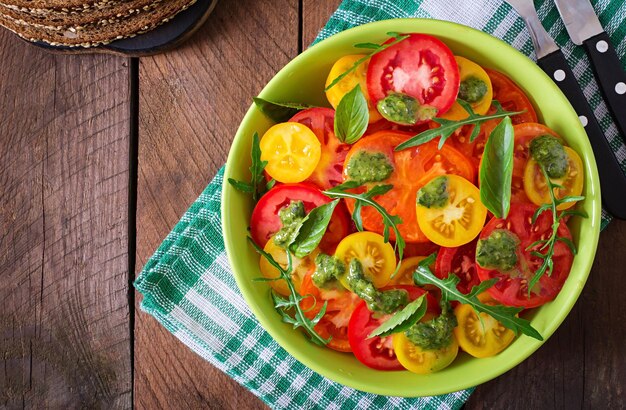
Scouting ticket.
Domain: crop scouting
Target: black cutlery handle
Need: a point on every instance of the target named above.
(610, 75)
(612, 178)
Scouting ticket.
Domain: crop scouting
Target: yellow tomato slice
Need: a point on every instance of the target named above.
(299, 267)
(377, 256)
(482, 337)
(459, 221)
(347, 84)
(420, 361)
(405, 273)
(292, 152)
(468, 68)
(536, 187)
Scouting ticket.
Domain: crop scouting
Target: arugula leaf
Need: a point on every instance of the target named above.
(366, 199)
(448, 127)
(548, 244)
(289, 308)
(403, 319)
(312, 229)
(503, 314)
(257, 186)
(379, 47)
(351, 116)
(496, 169)
(279, 111)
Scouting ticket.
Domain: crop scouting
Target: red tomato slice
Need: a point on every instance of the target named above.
(512, 286)
(511, 97)
(265, 221)
(524, 134)
(321, 121)
(378, 352)
(413, 168)
(462, 262)
(339, 308)
(382, 125)
(420, 66)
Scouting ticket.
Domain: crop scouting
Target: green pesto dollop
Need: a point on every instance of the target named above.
(291, 218)
(498, 250)
(377, 301)
(549, 153)
(435, 333)
(367, 166)
(472, 89)
(404, 109)
(435, 193)
(327, 270)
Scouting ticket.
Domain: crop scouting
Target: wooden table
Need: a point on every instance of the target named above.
(99, 158)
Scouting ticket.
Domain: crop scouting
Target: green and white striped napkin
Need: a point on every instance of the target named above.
(187, 284)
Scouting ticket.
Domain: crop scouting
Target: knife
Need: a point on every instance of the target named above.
(584, 28)
(552, 61)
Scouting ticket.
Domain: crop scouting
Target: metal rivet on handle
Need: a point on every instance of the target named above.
(620, 88)
(583, 120)
(602, 46)
(559, 75)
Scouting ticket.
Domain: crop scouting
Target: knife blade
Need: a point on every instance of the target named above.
(552, 61)
(584, 28)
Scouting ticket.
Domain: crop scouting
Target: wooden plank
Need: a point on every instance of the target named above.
(191, 103)
(315, 14)
(582, 364)
(64, 318)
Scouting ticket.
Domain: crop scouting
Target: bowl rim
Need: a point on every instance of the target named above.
(271, 325)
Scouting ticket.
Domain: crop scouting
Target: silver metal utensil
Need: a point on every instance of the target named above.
(585, 29)
(552, 61)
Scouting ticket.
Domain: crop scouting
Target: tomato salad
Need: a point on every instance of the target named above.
(418, 216)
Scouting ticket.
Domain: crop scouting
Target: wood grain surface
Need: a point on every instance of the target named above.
(64, 314)
(66, 138)
(190, 104)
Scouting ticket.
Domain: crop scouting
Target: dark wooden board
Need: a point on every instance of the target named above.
(64, 328)
(191, 102)
(158, 40)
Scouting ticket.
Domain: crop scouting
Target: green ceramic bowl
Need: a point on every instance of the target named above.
(303, 80)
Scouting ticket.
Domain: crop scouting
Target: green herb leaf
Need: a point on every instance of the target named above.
(397, 38)
(351, 116)
(257, 186)
(289, 308)
(549, 243)
(366, 199)
(496, 169)
(503, 314)
(449, 127)
(279, 111)
(312, 230)
(403, 319)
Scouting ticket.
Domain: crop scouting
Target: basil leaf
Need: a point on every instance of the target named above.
(403, 319)
(313, 229)
(496, 169)
(352, 116)
(279, 111)
(504, 314)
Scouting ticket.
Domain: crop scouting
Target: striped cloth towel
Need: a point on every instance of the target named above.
(187, 285)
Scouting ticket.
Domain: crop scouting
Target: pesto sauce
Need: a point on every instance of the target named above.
(472, 89)
(404, 109)
(367, 166)
(291, 218)
(549, 153)
(435, 193)
(436, 333)
(377, 301)
(498, 250)
(327, 270)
